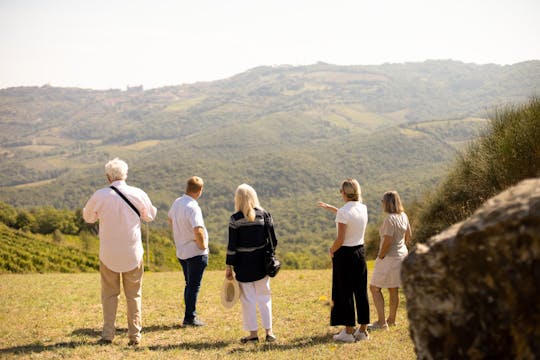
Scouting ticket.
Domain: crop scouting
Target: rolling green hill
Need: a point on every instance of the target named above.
(292, 132)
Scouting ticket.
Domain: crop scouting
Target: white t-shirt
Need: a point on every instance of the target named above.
(186, 215)
(354, 215)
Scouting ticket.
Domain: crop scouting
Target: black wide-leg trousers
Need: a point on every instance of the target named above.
(349, 287)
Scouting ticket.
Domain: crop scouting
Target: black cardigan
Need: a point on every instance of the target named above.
(248, 244)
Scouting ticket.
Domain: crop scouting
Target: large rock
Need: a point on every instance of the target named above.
(473, 291)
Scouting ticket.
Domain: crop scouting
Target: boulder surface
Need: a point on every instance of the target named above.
(473, 291)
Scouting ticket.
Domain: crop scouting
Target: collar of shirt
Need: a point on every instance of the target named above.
(190, 198)
(117, 183)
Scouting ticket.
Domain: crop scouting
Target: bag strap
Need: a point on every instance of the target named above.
(126, 200)
(268, 230)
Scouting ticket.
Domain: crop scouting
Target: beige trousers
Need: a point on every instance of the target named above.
(110, 292)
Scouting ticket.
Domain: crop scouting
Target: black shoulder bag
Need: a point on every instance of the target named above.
(271, 262)
(126, 200)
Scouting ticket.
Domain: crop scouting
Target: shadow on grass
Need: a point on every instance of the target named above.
(94, 334)
(88, 332)
(190, 346)
(301, 342)
(38, 348)
(146, 329)
(294, 344)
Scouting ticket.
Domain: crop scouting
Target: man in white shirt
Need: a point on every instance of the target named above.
(191, 240)
(120, 247)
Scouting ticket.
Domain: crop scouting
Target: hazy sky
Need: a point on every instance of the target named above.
(105, 44)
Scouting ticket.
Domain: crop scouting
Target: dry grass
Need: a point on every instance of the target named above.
(59, 316)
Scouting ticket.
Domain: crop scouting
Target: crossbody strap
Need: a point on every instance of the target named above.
(126, 200)
(266, 224)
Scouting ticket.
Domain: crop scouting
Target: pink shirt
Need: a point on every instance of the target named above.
(120, 245)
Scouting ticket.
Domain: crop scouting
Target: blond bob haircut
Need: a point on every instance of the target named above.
(194, 184)
(351, 189)
(391, 202)
(116, 169)
(246, 200)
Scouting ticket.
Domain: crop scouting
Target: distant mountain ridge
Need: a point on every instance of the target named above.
(432, 90)
(293, 132)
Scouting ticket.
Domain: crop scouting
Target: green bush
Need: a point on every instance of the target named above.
(507, 152)
(8, 214)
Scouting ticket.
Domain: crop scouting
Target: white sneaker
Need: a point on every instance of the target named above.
(360, 335)
(344, 337)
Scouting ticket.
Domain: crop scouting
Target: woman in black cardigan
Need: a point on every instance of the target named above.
(249, 229)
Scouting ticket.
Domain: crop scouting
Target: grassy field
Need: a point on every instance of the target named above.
(54, 316)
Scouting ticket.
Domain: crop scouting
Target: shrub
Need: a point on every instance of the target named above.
(506, 153)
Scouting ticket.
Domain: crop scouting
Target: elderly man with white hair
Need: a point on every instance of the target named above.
(120, 209)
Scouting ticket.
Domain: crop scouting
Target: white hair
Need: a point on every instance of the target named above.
(116, 169)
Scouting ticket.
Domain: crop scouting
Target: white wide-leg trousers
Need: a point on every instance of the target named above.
(256, 293)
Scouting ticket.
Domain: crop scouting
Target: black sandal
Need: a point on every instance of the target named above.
(247, 339)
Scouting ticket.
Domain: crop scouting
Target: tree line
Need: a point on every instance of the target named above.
(44, 220)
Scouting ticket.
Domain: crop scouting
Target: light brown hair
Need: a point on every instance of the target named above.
(351, 189)
(391, 202)
(194, 184)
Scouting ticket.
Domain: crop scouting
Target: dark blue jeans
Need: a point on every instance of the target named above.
(193, 271)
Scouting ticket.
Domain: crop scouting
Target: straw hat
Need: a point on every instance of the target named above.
(230, 293)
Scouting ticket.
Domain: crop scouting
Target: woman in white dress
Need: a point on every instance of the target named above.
(395, 234)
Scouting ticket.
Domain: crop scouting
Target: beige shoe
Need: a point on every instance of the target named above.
(377, 326)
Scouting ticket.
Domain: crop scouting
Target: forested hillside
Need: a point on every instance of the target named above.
(292, 132)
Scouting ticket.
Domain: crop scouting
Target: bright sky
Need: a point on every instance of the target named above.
(104, 44)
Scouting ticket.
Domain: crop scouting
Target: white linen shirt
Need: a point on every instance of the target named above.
(120, 245)
(186, 215)
(354, 215)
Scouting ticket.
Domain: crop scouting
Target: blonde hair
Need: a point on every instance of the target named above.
(194, 184)
(392, 202)
(351, 189)
(116, 169)
(246, 200)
